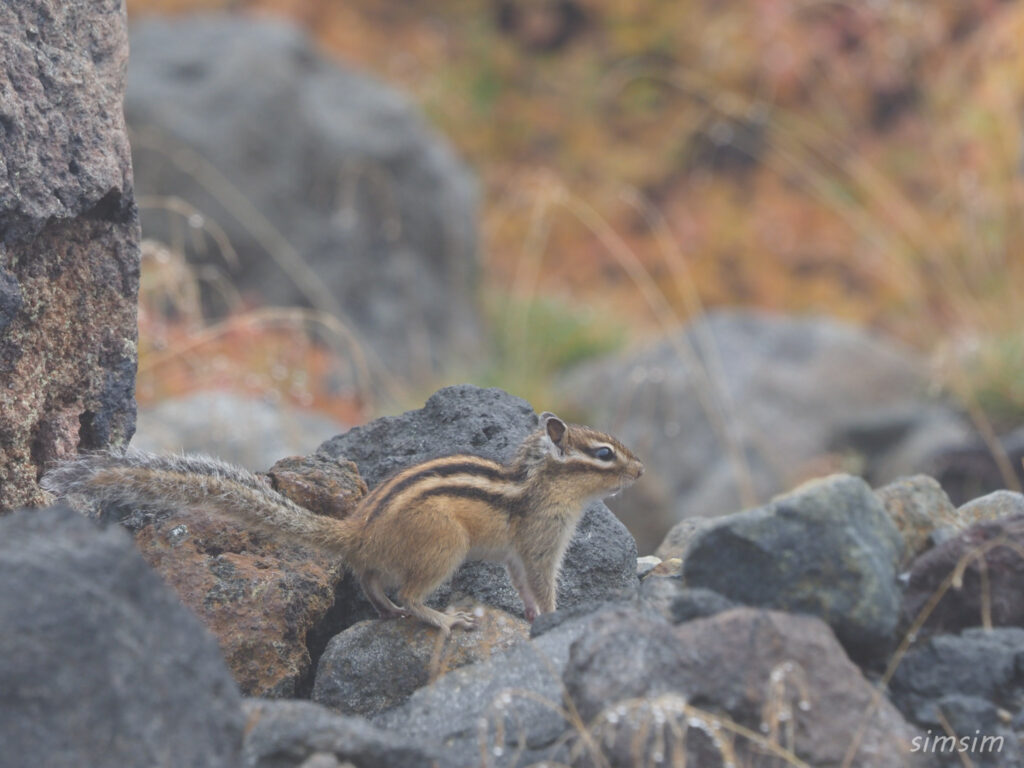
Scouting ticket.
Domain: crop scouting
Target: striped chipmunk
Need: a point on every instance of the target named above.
(411, 532)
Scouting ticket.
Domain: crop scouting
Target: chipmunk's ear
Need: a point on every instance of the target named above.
(555, 429)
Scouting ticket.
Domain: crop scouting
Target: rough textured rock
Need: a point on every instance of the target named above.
(376, 665)
(330, 185)
(921, 510)
(601, 561)
(800, 397)
(994, 506)
(828, 549)
(784, 677)
(100, 665)
(966, 679)
(963, 607)
(258, 596)
(290, 734)
(69, 239)
(245, 431)
(326, 486)
(508, 707)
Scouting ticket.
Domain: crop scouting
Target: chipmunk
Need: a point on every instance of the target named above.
(412, 531)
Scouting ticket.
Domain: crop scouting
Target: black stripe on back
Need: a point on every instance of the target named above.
(495, 500)
(467, 467)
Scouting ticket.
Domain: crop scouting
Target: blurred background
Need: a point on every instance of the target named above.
(760, 241)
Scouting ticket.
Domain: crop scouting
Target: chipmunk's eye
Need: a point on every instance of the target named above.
(604, 453)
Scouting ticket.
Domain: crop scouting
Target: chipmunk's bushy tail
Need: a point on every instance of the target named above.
(137, 479)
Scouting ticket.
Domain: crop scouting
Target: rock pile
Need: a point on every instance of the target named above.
(770, 636)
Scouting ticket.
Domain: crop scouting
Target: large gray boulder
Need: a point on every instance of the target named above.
(100, 665)
(744, 405)
(69, 239)
(828, 549)
(332, 188)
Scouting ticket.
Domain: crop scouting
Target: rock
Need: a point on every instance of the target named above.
(289, 734)
(100, 665)
(962, 607)
(652, 693)
(246, 431)
(376, 665)
(995, 506)
(920, 509)
(601, 561)
(966, 468)
(331, 186)
(258, 596)
(325, 486)
(69, 239)
(827, 549)
(966, 680)
(697, 603)
(788, 390)
(508, 707)
(678, 539)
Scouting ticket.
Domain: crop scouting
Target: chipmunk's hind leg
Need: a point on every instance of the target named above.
(425, 575)
(374, 591)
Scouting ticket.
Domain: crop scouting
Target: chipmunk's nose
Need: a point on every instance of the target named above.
(639, 470)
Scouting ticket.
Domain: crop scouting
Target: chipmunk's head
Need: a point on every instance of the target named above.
(584, 463)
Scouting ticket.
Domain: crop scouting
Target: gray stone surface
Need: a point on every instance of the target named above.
(507, 707)
(993, 506)
(996, 546)
(376, 665)
(799, 396)
(69, 239)
(966, 679)
(828, 549)
(601, 561)
(100, 665)
(331, 186)
(784, 677)
(287, 734)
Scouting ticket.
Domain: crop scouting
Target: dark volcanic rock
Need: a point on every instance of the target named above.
(69, 239)
(100, 665)
(601, 561)
(827, 549)
(508, 707)
(376, 665)
(301, 734)
(652, 693)
(968, 680)
(331, 186)
(962, 607)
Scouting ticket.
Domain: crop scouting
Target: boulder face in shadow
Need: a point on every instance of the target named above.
(100, 665)
(331, 187)
(69, 240)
